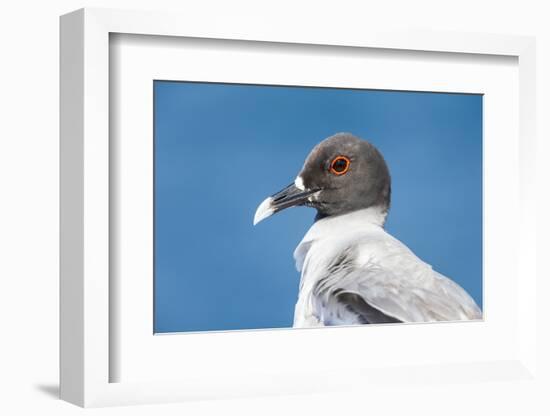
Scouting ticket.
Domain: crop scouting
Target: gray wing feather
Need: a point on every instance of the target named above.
(406, 300)
(395, 286)
(365, 313)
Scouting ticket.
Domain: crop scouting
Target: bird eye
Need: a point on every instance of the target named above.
(339, 165)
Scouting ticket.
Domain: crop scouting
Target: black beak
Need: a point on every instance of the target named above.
(288, 197)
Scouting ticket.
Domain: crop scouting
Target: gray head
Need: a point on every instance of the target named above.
(341, 174)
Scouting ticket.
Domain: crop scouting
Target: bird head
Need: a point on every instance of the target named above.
(341, 174)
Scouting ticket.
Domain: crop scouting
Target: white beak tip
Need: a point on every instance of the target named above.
(264, 210)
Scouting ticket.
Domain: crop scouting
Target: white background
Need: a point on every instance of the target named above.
(29, 205)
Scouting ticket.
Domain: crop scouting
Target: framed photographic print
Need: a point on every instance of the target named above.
(237, 207)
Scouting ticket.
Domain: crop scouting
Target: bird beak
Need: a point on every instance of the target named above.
(288, 197)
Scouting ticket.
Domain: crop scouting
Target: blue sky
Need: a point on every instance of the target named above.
(220, 149)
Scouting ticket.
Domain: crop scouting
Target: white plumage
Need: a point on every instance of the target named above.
(353, 254)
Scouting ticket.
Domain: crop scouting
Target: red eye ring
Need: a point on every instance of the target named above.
(339, 165)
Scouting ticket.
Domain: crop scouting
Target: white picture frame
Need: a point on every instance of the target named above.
(88, 305)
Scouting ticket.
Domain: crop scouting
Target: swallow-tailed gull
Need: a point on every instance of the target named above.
(352, 270)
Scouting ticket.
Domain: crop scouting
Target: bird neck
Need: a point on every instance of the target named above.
(363, 220)
(373, 215)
